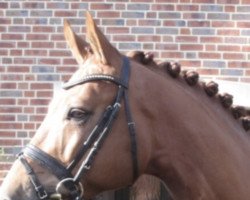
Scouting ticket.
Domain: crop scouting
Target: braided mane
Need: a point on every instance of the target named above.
(192, 78)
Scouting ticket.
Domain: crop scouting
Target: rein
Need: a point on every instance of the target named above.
(93, 143)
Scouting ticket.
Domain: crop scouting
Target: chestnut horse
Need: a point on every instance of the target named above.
(113, 123)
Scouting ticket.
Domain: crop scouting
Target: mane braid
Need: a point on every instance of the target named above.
(192, 78)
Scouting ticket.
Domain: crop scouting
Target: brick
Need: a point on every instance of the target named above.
(117, 30)
(29, 94)
(209, 55)
(125, 38)
(229, 48)
(49, 61)
(246, 48)
(48, 77)
(186, 39)
(241, 16)
(203, 31)
(17, 13)
(214, 64)
(170, 47)
(169, 15)
(42, 69)
(187, 7)
(10, 93)
(65, 13)
(16, 52)
(142, 30)
(185, 31)
(194, 16)
(41, 86)
(238, 64)
(7, 109)
(177, 23)
(149, 22)
(42, 110)
(59, 53)
(245, 32)
(113, 22)
(221, 24)
(36, 118)
(133, 46)
(8, 85)
(45, 94)
(69, 61)
(208, 71)
(231, 72)
(167, 31)
(19, 29)
(7, 118)
(58, 5)
(230, 8)
(36, 21)
(36, 52)
(23, 69)
(245, 2)
(133, 15)
(207, 39)
(44, 29)
(42, 45)
(7, 101)
(163, 7)
(243, 24)
(3, 5)
(245, 80)
(108, 14)
(204, 1)
(10, 126)
(234, 56)
(212, 8)
(33, 5)
(149, 38)
(228, 1)
(227, 32)
(220, 16)
(10, 142)
(23, 85)
(171, 55)
(23, 44)
(191, 47)
(24, 60)
(190, 63)
(81, 6)
(236, 40)
(5, 21)
(63, 69)
(199, 23)
(7, 44)
(37, 36)
(39, 102)
(22, 102)
(103, 6)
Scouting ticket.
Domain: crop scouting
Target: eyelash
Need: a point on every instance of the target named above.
(79, 115)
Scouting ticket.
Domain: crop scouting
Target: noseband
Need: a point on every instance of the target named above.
(90, 147)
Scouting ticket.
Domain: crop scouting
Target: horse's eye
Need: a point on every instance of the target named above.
(78, 114)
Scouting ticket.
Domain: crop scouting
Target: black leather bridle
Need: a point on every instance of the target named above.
(90, 147)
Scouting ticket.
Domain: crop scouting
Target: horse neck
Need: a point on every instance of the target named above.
(190, 141)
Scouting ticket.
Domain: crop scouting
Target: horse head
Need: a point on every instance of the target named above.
(69, 156)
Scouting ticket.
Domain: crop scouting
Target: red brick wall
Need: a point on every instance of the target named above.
(211, 36)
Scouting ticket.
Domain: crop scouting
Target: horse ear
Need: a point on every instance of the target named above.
(77, 45)
(100, 46)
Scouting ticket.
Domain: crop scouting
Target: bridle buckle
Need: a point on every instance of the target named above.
(42, 194)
